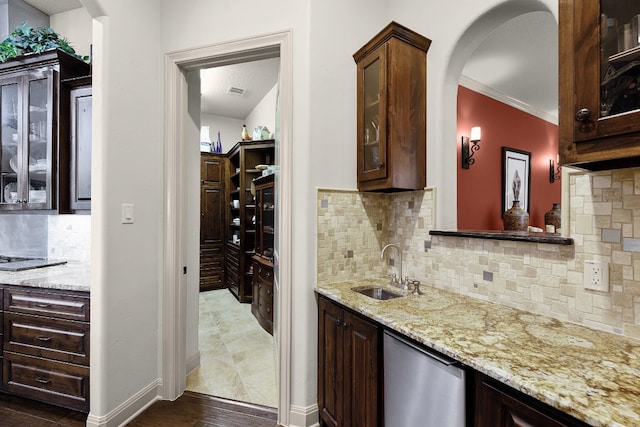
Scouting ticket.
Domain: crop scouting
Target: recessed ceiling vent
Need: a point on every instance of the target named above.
(232, 90)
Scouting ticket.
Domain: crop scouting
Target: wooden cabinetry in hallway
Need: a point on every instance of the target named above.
(213, 169)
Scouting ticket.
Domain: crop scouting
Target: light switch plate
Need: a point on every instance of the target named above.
(596, 276)
(127, 213)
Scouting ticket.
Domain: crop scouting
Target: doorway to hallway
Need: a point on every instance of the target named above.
(176, 292)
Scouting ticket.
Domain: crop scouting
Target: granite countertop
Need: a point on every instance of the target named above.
(589, 374)
(72, 276)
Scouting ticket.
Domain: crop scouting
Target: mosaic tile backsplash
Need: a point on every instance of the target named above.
(604, 222)
(65, 237)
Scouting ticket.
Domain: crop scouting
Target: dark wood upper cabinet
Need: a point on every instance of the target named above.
(35, 133)
(599, 76)
(391, 110)
(80, 180)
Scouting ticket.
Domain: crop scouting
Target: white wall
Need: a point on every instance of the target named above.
(264, 114)
(193, 227)
(230, 129)
(76, 27)
(127, 167)
(128, 163)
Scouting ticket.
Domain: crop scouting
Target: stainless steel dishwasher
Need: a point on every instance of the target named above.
(421, 389)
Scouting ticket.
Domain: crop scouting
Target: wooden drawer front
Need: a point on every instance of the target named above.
(64, 306)
(266, 292)
(233, 260)
(58, 383)
(211, 251)
(265, 274)
(211, 275)
(216, 265)
(232, 273)
(233, 250)
(266, 310)
(62, 340)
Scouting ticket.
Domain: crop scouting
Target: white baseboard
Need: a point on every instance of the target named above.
(301, 416)
(193, 362)
(128, 409)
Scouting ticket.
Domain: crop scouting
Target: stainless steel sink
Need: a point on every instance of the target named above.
(376, 292)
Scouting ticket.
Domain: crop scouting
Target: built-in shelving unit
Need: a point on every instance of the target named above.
(241, 235)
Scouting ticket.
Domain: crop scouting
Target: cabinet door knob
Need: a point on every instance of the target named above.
(583, 115)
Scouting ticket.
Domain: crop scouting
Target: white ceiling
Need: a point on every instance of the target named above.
(257, 78)
(519, 59)
(51, 7)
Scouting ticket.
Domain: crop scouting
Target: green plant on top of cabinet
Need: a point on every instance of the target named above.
(34, 132)
(391, 110)
(599, 74)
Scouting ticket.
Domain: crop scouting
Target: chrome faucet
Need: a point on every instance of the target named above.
(394, 280)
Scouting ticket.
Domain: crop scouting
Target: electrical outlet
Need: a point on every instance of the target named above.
(596, 276)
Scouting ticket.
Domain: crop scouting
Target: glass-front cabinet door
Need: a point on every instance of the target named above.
(26, 113)
(599, 46)
(268, 209)
(372, 152)
(10, 103)
(39, 115)
(265, 216)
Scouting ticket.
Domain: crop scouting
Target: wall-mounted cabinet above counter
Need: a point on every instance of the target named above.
(35, 132)
(391, 111)
(599, 74)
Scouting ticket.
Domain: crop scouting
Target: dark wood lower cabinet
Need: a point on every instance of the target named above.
(350, 381)
(498, 405)
(213, 202)
(45, 345)
(262, 300)
(349, 368)
(58, 383)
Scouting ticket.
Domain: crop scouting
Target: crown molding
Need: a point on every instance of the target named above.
(476, 86)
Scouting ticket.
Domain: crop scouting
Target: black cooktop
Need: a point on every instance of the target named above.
(10, 263)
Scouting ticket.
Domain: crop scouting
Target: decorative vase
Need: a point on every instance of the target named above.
(516, 218)
(245, 133)
(553, 217)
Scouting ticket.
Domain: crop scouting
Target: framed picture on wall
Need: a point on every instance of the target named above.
(516, 178)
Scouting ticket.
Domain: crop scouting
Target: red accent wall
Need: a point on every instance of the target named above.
(480, 186)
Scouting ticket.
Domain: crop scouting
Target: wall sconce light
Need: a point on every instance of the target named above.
(554, 174)
(467, 152)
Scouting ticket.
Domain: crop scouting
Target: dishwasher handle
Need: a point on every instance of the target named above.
(438, 358)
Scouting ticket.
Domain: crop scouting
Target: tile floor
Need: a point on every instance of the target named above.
(237, 357)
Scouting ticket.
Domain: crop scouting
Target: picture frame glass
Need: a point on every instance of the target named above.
(516, 178)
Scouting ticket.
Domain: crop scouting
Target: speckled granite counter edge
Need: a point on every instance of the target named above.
(73, 276)
(511, 346)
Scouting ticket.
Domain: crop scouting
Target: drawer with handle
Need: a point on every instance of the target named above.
(60, 305)
(63, 340)
(58, 383)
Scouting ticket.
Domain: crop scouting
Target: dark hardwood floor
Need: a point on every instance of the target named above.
(18, 412)
(199, 410)
(190, 409)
